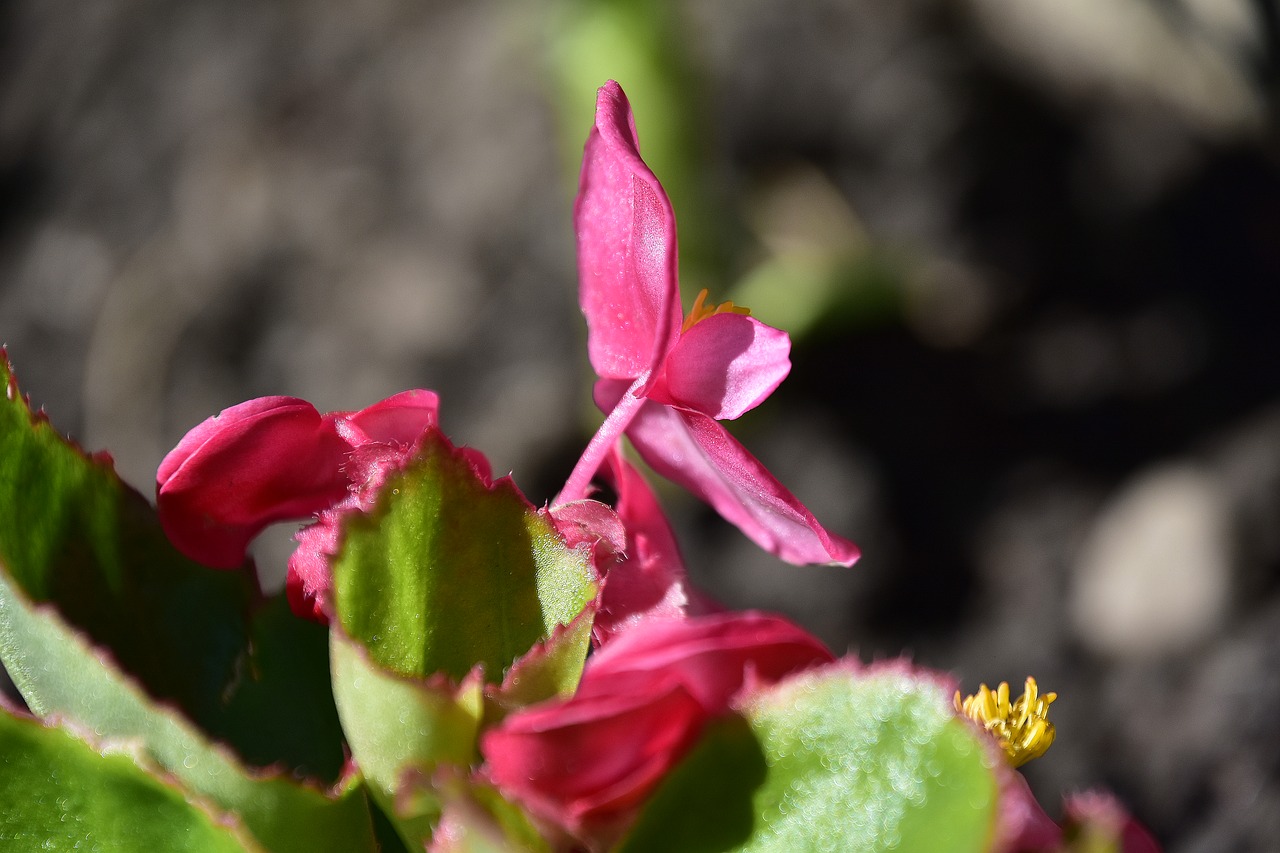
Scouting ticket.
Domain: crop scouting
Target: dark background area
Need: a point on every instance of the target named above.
(1028, 252)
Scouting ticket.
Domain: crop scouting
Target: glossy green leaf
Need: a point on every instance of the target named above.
(60, 673)
(833, 759)
(448, 573)
(73, 534)
(58, 793)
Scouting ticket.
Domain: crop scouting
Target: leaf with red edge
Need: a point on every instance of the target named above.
(73, 534)
(58, 792)
(449, 572)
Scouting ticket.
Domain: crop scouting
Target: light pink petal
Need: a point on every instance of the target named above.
(650, 582)
(709, 655)
(399, 419)
(593, 527)
(626, 231)
(693, 450)
(724, 366)
(263, 461)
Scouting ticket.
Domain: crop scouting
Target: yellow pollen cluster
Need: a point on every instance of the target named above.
(701, 311)
(1022, 727)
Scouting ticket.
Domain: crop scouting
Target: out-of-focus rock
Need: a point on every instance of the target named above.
(1153, 576)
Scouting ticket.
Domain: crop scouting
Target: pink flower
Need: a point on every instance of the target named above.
(1096, 820)
(665, 383)
(277, 458)
(587, 763)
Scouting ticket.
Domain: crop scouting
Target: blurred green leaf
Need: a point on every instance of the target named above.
(448, 573)
(58, 793)
(279, 707)
(73, 534)
(640, 43)
(872, 760)
(814, 293)
(60, 673)
(477, 819)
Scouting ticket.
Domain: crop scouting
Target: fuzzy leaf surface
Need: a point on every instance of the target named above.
(448, 572)
(832, 759)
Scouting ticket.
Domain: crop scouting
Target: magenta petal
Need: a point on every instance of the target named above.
(710, 655)
(309, 580)
(1021, 824)
(626, 248)
(693, 450)
(650, 582)
(265, 460)
(399, 419)
(592, 760)
(724, 365)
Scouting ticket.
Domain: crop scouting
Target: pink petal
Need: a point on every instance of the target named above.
(265, 460)
(651, 581)
(626, 230)
(309, 581)
(593, 759)
(693, 450)
(709, 655)
(724, 365)
(399, 419)
(1021, 824)
(593, 527)
(1100, 818)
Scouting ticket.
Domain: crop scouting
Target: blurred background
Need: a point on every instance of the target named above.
(1028, 252)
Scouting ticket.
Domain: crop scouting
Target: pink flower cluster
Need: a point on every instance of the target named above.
(666, 663)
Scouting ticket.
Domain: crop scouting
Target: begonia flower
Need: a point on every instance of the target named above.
(665, 382)
(276, 459)
(587, 763)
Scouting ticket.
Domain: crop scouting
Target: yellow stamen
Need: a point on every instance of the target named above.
(701, 311)
(1022, 727)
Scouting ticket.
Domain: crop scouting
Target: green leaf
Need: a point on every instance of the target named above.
(60, 673)
(280, 706)
(447, 573)
(549, 669)
(73, 534)
(59, 793)
(398, 725)
(477, 819)
(718, 778)
(835, 758)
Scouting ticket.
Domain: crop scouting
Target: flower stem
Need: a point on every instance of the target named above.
(576, 487)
